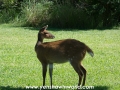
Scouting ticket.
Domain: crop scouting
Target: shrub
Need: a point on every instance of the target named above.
(34, 13)
(66, 16)
(61, 13)
(8, 11)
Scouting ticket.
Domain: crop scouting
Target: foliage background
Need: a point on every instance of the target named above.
(61, 13)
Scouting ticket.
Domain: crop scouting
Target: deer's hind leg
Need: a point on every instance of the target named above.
(84, 72)
(77, 68)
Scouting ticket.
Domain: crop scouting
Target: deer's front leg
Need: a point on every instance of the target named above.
(50, 72)
(44, 70)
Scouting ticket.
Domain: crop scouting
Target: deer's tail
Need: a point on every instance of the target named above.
(90, 51)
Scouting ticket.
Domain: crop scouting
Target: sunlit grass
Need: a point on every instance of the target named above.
(19, 66)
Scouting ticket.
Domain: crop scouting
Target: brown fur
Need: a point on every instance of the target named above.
(59, 52)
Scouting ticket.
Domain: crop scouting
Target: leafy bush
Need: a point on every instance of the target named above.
(66, 16)
(86, 14)
(7, 15)
(8, 10)
(105, 12)
(34, 14)
(61, 13)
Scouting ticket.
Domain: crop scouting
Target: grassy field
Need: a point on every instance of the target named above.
(19, 66)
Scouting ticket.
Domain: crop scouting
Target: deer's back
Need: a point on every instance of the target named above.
(61, 51)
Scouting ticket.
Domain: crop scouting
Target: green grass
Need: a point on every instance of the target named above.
(19, 66)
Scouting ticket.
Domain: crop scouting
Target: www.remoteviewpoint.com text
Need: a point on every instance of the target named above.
(59, 87)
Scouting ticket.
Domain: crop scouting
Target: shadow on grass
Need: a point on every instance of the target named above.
(101, 88)
(61, 29)
(67, 29)
(21, 88)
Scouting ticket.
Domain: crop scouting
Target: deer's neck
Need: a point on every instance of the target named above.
(40, 39)
(39, 42)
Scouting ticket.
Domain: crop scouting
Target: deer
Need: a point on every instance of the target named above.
(61, 51)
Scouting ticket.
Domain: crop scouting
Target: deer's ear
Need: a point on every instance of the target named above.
(43, 28)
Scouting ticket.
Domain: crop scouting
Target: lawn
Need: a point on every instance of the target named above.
(19, 66)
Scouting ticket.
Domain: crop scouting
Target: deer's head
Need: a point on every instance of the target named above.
(43, 33)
